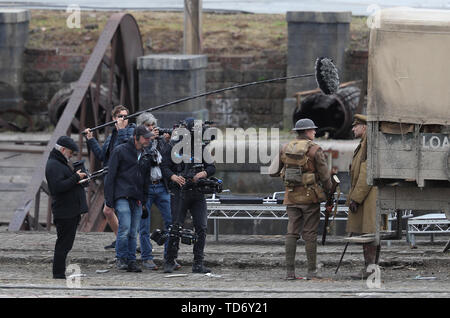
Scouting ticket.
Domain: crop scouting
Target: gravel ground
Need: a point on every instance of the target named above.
(242, 267)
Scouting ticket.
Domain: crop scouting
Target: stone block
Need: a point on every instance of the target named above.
(318, 17)
(166, 62)
(32, 76)
(310, 35)
(71, 75)
(13, 38)
(14, 16)
(165, 78)
(289, 106)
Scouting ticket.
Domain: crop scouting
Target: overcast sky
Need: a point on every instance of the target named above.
(358, 7)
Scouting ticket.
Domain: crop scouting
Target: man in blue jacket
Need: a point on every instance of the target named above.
(120, 134)
(68, 200)
(126, 188)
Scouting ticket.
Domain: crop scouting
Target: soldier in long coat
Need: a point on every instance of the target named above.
(362, 197)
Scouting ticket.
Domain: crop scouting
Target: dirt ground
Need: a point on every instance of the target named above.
(242, 267)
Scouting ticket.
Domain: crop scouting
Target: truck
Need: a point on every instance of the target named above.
(408, 111)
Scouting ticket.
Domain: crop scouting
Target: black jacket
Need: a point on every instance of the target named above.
(68, 197)
(126, 177)
(169, 168)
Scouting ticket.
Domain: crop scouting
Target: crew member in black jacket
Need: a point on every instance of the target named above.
(184, 198)
(68, 200)
(126, 188)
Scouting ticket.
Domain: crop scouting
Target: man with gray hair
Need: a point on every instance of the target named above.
(68, 200)
(157, 193)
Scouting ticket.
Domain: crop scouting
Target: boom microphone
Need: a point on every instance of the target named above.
(326, 75)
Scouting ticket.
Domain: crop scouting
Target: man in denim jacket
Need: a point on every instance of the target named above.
(119, 135)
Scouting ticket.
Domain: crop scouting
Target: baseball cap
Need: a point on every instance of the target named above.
(141, 130)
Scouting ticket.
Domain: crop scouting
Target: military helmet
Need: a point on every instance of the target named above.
(303, 124)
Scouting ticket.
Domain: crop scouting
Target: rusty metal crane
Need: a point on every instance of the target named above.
(117, 48)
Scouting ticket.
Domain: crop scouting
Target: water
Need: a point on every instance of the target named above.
(358, 7)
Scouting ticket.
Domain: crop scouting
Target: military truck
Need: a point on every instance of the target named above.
(409, 111)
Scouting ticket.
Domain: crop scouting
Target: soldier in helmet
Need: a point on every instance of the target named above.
(302, 165)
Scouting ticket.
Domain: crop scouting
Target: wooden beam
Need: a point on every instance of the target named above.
(192, 39)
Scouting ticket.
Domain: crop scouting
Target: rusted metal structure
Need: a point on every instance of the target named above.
(15, 120)
(117, 49)
(333, 114)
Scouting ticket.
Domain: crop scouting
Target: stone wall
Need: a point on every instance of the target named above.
(13, 39)
(355, 65)
(253, 106)
(44, 73)
(47, 71)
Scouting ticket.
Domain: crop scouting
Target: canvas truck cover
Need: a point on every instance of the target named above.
(409, 67)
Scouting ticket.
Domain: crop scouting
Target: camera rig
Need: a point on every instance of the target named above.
(209, 185)
(174, 231)
(79, 165)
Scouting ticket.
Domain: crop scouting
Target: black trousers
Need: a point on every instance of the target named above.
(194, 202)
(65, 232)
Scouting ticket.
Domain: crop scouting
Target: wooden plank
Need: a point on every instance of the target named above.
(94, 220)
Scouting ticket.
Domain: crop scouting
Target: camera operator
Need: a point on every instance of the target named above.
(120, 134)
(68, 200)
(158, 191)
(126, 187)
(183, 199)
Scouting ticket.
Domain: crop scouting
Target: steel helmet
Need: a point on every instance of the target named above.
(303, 124)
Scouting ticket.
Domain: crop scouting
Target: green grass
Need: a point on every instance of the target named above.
(224, 33)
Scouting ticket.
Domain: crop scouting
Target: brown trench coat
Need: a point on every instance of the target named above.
(363, 221)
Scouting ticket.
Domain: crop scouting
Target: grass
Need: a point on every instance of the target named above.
(162, 32)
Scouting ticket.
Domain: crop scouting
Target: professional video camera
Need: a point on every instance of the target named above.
(79, 165)
(192, 126)
(209, 186)
(204, 185)
(176, 231)
(163, 131)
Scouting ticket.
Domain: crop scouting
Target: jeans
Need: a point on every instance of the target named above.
(129, 214)
(157, 194)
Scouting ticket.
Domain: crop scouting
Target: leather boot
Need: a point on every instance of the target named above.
(311, 257)
(371, 255)
(199, 267)
(291, 248)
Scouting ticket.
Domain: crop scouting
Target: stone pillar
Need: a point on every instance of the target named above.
(168, 77)
(13, 38)
(312, 35)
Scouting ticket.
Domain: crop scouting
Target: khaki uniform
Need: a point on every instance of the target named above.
(363, 221)
(304, 192)
(303, 201)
